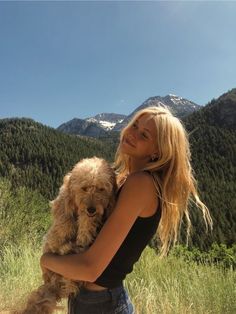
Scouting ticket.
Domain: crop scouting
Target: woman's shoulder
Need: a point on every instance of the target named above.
(140, 175)
(139, 186)
(140, 180)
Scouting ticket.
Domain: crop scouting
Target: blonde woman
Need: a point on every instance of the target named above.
(156, 184)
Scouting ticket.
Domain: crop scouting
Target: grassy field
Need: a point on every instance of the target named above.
(168, 286)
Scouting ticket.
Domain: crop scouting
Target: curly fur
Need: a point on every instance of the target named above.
(85, 200)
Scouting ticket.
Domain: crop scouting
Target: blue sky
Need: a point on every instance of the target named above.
(60, 60)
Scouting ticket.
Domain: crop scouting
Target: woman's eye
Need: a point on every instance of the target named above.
(144, 135)
(134, 125)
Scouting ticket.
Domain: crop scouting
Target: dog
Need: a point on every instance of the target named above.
(84, 202)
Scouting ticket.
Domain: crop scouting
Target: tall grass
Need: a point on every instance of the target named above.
(167, 286)
(174, 286)
(19, 272)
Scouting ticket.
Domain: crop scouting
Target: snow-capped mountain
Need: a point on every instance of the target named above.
(179, 106)
(82, 127)
(102, 123)
(107, 120)
(95, 126)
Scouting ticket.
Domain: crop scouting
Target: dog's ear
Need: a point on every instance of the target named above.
(112, 176)
(113, 181)
(69, 196)
(63, 203)
(112, 200)
(110, 206)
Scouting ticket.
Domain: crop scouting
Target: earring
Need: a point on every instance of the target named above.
(153, 157)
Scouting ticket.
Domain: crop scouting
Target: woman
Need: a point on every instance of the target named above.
(156, 183)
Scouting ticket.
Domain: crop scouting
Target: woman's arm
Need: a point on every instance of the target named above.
(71, 266)
(137, 194)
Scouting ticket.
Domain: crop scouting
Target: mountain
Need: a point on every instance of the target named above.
(82, 127)
(220, 112)
(97, 126)
(179, 106)
(101, 124)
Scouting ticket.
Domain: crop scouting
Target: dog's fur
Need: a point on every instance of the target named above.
(85, 200)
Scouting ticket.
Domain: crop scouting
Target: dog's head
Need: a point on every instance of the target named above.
(89, 189)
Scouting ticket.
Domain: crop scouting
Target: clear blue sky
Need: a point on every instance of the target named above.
(60, 60)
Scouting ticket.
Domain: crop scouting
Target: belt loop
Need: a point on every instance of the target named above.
(70, 304)
(112, 295)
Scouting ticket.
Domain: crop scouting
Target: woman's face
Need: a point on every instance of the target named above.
(139, 140)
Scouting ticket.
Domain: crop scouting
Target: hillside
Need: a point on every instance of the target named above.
(37, 156)
(213, 146)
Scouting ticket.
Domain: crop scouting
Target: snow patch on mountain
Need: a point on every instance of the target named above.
(106, 120)
(107, 125)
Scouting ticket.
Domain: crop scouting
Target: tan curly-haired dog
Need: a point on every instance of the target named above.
(85, 200)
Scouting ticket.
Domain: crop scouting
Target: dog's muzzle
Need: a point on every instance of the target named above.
(91, 211)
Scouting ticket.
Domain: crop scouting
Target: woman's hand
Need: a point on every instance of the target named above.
(43, 261)
(43, 270)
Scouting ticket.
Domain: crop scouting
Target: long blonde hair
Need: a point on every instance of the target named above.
(172, 173)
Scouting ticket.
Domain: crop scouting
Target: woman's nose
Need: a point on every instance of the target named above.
(133, 132)
(132, 135)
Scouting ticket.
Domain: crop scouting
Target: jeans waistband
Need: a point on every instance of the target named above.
(103, 295)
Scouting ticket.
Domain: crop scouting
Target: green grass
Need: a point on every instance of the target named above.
(167, 286)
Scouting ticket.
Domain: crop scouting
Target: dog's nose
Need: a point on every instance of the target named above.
(91, 210)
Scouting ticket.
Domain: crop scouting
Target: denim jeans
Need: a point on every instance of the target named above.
(109, 301)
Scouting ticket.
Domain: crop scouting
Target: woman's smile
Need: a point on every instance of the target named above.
(127, 141)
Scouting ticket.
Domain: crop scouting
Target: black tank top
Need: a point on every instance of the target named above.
(130, 250)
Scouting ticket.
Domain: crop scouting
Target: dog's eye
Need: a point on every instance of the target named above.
(85, 188)
(101, 189)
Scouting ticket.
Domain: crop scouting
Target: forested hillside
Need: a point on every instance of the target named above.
(213, 146)
(38, 157)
